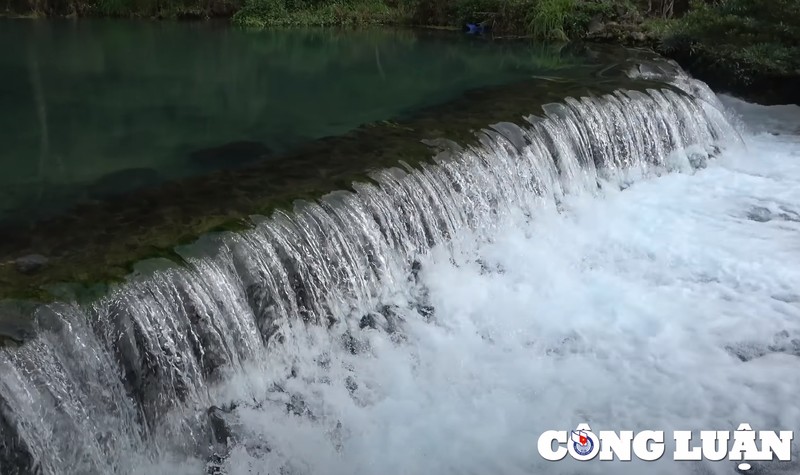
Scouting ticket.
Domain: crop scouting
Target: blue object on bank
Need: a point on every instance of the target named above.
(473, 28)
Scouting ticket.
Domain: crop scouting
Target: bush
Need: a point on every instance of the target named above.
(550, 18)
(544, 19)
(749, 46)
(126, 8)
(262, 13)
(751, 36)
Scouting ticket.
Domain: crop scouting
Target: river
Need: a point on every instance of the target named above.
(623, 254)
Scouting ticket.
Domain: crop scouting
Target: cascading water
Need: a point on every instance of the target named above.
(130, 379)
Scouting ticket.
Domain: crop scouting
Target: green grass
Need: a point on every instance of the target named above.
(550, 18)
(749, 37)
(267, 13)
(125, 8)
(542, 19)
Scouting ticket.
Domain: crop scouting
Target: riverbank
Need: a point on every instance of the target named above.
(750, 48)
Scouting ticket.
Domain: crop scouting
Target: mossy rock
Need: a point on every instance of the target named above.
(100, 242)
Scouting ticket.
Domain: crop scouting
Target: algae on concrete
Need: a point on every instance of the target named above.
(100, 242)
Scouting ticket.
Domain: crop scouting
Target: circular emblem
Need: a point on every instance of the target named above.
(584, 446)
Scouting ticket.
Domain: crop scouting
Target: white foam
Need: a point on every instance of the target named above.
(624, 311)
(774, 119)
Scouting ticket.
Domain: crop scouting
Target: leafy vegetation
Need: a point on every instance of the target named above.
(753, 36)
(263, 13)
(550, 18)
(741, 42)
(546, 19)
(123, 8)
(748, 46)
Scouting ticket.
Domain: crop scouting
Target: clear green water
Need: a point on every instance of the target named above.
(93, 108)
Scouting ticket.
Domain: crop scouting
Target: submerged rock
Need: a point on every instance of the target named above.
(15, 455)
(762, 214)
(368, 321)
(392, 316)
(351, 384)
(31, 264)
(786, 297)
(698, 161)
(215, 465)
(426, 311)
(17, 323)
(207, 347)
(353, 344)
(759, 214)
(416, 268)
(789, 215)
(297, 406)
(221, 426)
(123, 181)
(230, 154)
(783, 342)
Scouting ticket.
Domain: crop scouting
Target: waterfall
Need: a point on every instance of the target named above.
(132, 373)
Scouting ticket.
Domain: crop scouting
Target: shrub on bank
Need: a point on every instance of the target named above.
(124, 8)
(746, 43)
(263, 13)
(742, 45)
(544, 19)
(760, 35)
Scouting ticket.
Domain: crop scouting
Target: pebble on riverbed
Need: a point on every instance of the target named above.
(31, 264)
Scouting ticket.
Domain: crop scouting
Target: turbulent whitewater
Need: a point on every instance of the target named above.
(440, 318)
